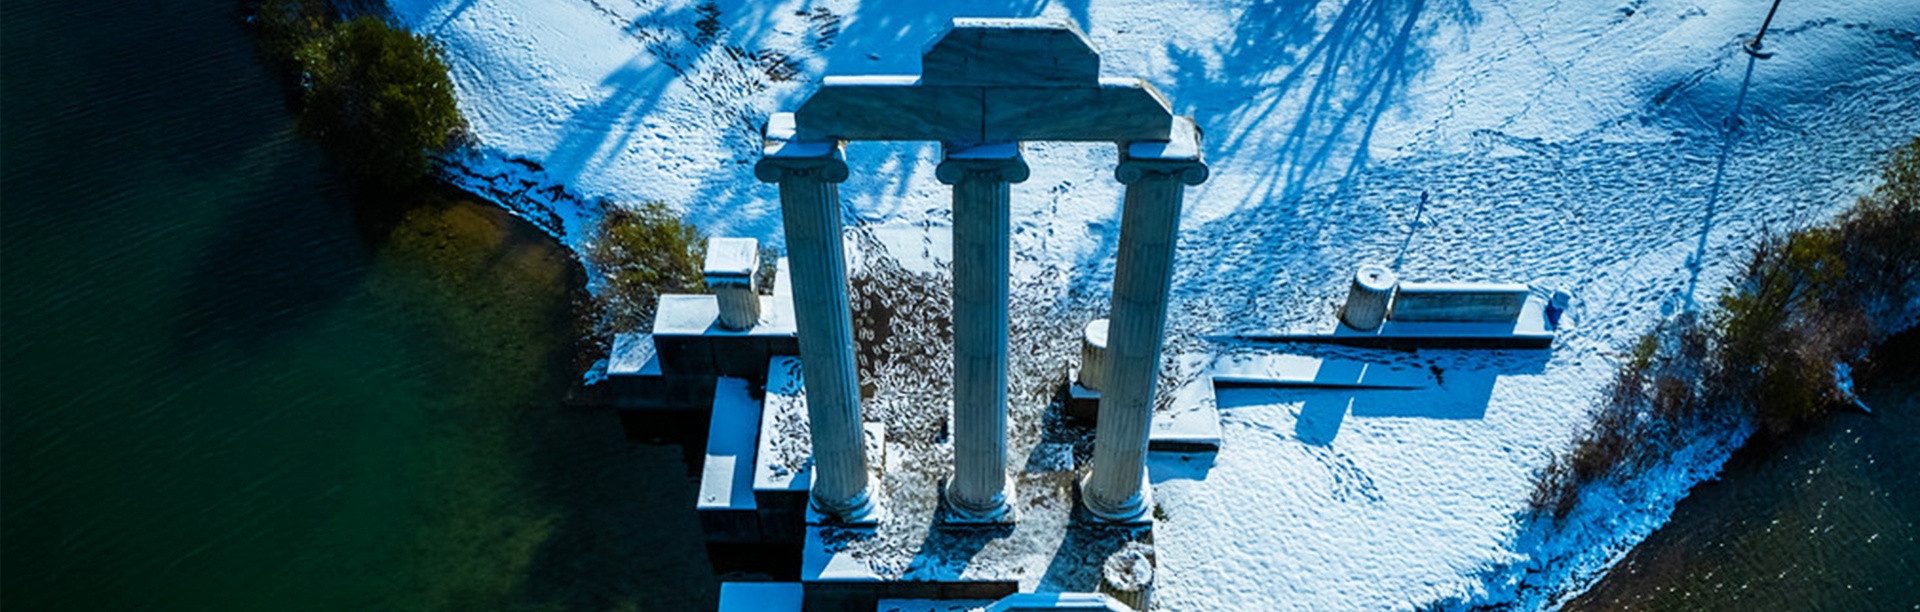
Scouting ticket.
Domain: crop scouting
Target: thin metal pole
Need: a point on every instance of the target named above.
(1753, 46)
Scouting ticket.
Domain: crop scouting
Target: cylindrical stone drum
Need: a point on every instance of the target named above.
(739, 304)
(1093, 354)
(731, 264)
(1368, 298)
(1127, 575)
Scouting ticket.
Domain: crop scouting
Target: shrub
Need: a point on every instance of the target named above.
(287, 25)
(1804, 302)
(376, 96)
(1553, 488)
(641, 252)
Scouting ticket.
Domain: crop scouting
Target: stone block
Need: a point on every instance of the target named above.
(1093, 354)
(730, 267)
(1459, 302)
(783, 463)
(726, 504)
(993, 52)
(889, 108)
(761, 596)
(1082, 403)
(690, 341)
(1118, 110)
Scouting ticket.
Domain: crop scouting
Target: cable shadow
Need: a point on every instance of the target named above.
(1697, 261)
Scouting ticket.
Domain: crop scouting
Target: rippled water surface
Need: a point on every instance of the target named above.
(226, 386)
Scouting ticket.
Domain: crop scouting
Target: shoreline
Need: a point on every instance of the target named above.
(1761, 487)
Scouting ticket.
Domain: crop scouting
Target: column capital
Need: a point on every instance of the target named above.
(995, 161)
(1179, 157)
(783, 155)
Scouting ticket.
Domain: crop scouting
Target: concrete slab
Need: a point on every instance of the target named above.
(761, 596)
(783, 284)
(694, 315)
(783, 460)
(732, 257)
(1315, 372)
(728, 511)
(1047, 602)
(690, 340)
(633, 355)
(841, 572)
(636, 381)
(1187, 422)
(727, 476)
(1458, 302)
(1529, 331)
(932, 605)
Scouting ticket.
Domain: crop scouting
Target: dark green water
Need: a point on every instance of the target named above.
(1828, 519)
(221, 388)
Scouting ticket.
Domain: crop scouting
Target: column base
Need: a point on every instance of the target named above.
(1001, 513)
(1136, 512)
(866, 513)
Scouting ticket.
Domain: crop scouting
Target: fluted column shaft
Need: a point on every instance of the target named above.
(980, 176)
(809, 174)
(1156, 175)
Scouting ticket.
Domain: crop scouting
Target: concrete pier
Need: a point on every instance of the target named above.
(809, 174)
(730, 266)
(1156, 175)
(1093, 355)
(980, 176)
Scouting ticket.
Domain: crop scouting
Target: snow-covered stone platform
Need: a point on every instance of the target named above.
(1049, 545)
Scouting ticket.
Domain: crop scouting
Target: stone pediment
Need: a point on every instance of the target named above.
(992, 80)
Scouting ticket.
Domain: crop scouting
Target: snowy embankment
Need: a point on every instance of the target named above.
(1575, 146)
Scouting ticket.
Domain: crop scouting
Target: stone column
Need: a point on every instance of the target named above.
(980, 176)
(809, 174)
(1155, 175)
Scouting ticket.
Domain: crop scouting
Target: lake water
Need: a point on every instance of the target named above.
(227, 386)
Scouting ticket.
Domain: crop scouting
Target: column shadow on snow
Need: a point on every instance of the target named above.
(1464, 392)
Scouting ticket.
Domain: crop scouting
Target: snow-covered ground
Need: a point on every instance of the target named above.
(1572, 145)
